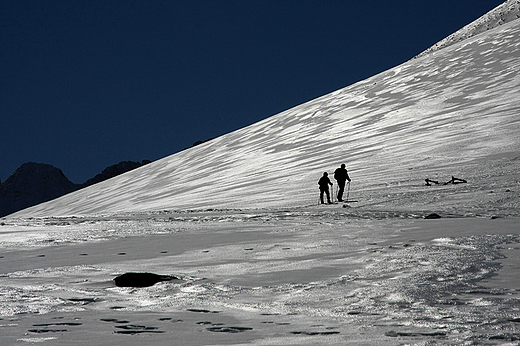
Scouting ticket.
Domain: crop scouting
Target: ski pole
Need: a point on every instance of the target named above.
(348, 190)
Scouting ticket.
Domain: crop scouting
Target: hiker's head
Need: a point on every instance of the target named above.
(342, 165)
(325, 174)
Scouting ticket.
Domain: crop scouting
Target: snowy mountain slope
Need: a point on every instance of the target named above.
(504, 13)
(452, 112)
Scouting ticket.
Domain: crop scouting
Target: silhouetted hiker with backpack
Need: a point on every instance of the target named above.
(324, 183)
(341, 176)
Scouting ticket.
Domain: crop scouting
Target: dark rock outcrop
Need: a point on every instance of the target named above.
(141, 279)
(115, 170)
(198, 143)
(33, 183)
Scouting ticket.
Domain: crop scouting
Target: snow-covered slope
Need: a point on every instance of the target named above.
(504, 13)
(455, 112)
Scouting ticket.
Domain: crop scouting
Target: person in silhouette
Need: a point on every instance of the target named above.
(324, 183)
(341, 176)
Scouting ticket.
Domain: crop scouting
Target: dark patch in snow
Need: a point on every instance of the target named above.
(141, 279)
(229, 329)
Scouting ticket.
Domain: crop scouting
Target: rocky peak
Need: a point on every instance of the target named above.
(33, 183)
(114, 170)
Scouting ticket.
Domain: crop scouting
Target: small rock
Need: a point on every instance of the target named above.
(141, 279)
(391, 334)
(432, 216)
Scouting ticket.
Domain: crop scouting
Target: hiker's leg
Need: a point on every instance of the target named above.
(341, 185)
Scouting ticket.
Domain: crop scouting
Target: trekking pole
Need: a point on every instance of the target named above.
(348, 190)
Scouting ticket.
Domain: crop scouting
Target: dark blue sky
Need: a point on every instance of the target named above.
(87, 84)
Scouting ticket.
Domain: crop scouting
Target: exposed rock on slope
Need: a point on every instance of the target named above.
(508, 11)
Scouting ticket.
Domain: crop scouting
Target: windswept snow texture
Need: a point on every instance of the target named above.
(452, 107)
(434, 117)
(504, 13)
(311, 275)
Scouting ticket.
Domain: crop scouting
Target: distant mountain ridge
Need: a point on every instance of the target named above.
(115, 170)
(33, 183)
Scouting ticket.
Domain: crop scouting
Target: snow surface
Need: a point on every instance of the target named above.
(294, 277)
(260, 263)
(451, 113)
(504, 13)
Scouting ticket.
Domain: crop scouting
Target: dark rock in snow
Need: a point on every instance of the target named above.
(394, 334)
(141, 279)
(314, 333)
(433, 216)
(229, 329)
(114, 320)
(40, 331)
(204, 311)
(133, 329)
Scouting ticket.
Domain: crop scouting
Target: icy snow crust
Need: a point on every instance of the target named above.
(301, 276)
(260, 263)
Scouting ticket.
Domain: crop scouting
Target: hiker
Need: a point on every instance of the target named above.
(324, 183)
(341, 176)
